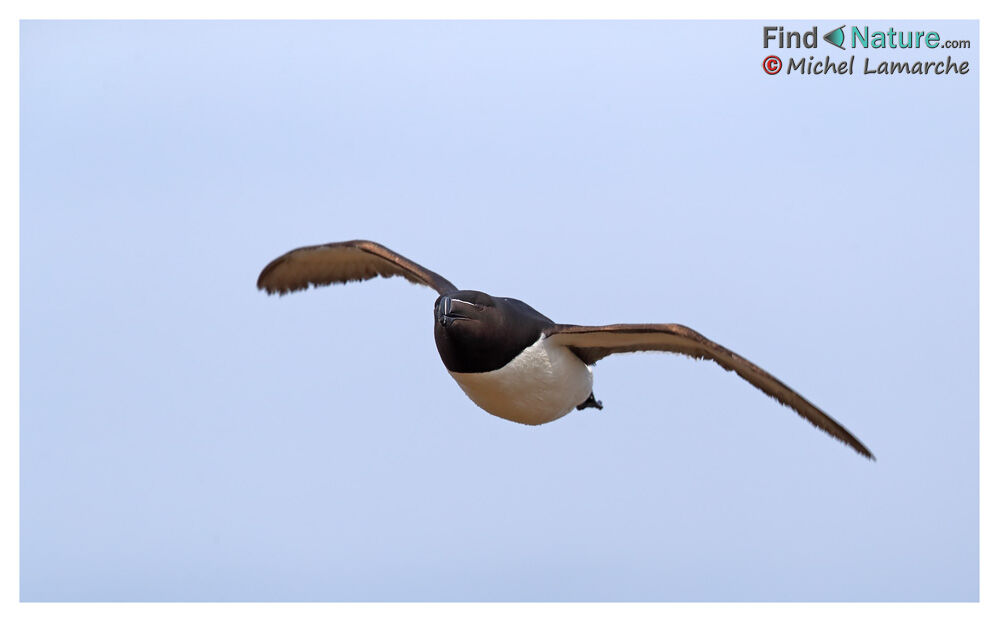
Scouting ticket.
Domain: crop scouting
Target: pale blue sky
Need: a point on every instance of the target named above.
(184, 437)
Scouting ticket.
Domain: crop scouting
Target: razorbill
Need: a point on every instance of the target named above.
(510, 359)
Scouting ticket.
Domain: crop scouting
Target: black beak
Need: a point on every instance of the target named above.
(443, 309)
(451, 309)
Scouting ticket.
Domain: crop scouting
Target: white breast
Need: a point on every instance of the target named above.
(544, 382)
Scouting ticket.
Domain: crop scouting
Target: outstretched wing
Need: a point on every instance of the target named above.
(592, 343)
(341, 262)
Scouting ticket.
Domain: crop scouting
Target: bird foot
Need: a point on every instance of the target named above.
(591, 402)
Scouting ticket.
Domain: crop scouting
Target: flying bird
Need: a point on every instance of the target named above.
(511, 360)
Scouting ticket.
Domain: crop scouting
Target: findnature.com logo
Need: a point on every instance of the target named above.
(861, 37)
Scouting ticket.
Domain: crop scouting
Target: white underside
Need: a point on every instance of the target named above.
(545, 382)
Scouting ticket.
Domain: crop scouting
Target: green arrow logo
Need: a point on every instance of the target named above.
(836, 37)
